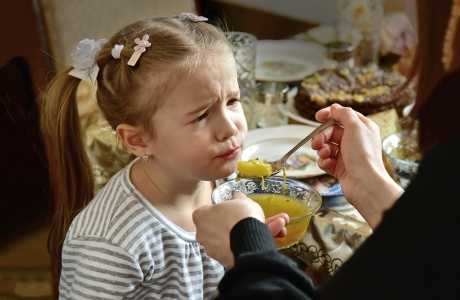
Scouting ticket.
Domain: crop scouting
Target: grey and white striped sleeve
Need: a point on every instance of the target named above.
(94, 268)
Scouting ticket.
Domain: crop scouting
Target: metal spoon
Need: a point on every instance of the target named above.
(279, 164)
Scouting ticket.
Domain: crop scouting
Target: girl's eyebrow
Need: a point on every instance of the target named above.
(232, 94)
(200, 108)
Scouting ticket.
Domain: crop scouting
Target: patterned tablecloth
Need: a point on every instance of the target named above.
(335, 232)
(331, 239)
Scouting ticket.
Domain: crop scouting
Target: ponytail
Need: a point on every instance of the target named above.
(124, 97)
(72, 182)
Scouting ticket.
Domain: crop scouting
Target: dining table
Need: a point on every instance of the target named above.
(337, 230)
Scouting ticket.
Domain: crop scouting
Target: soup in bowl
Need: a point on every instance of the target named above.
(276, 195)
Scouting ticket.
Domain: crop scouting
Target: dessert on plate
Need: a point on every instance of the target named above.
(366, 89)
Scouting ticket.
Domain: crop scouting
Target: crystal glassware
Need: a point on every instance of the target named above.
(359, 22)
(244, 51)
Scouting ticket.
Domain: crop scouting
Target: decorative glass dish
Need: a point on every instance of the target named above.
(403, 152)
(276, 195)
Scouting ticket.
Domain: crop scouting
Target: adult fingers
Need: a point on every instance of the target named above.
(346, 116)
(325, 151)
(330, 135)
(282, 233)
(318, 141)
(320, 138)
(238, 195)
(328, 165)
(336, 135)
(284, 216)
(343, 115)
(323, 115)
(197, 213)
(334, 149)
(276, 226)
(329, 150)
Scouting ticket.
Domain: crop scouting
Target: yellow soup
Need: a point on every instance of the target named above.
(254, 168)
(273, 204)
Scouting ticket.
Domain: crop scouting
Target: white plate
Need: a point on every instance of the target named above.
(273, 142)
(323, 34)
(290, 111)
(289, 60)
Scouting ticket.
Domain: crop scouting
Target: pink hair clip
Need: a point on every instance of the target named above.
(140, 48)
(191, 17)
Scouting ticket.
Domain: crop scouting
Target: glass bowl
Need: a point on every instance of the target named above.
(275, 196)
(401, 148)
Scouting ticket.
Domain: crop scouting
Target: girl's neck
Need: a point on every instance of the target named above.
(169, 191)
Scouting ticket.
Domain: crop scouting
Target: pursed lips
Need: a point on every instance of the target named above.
(232, 148)
(229, 152)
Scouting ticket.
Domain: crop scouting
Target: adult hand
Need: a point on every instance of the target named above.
(277, 224)
(352, 153)
(214, 223)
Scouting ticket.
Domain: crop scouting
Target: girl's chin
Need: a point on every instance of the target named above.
(227, 174)
(225, 171)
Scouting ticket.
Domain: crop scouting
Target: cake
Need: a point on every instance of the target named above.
(366, 89)
(388, 122)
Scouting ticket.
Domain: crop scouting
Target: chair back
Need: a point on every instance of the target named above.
(24, 185)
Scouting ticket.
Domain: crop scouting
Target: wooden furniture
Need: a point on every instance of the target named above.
(263, 24)
(68, 22)
(23, 34)
(24, 184)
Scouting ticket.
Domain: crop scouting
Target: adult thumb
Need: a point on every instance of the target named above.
(345, 116)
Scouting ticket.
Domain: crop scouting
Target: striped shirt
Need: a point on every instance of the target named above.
(121, 247)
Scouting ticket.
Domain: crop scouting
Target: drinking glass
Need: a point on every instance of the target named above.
(244, 51)
(268, 112)
(359, 22)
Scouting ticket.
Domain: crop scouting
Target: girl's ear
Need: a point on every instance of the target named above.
(133, 138)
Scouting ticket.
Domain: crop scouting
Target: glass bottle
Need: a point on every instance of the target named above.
(359, 22)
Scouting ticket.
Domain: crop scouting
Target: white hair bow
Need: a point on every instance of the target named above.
(116, 51)
(84, 59)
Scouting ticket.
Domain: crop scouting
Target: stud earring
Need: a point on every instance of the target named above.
(145, 157)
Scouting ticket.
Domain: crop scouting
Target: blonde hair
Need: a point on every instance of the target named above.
(177, 48)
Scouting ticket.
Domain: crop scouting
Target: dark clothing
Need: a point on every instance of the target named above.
(410, 255)
(260, 272)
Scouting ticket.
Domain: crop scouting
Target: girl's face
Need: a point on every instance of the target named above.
(200, 128)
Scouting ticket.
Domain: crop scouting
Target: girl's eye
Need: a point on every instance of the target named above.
(233, 101)
(202, 116)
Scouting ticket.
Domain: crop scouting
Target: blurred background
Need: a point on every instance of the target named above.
(37, 38)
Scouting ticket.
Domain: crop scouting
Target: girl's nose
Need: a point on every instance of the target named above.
(226, 129)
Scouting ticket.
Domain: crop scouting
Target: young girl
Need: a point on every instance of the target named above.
(168, 87)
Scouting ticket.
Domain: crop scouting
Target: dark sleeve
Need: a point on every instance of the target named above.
(413, 252)
(260, 271)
